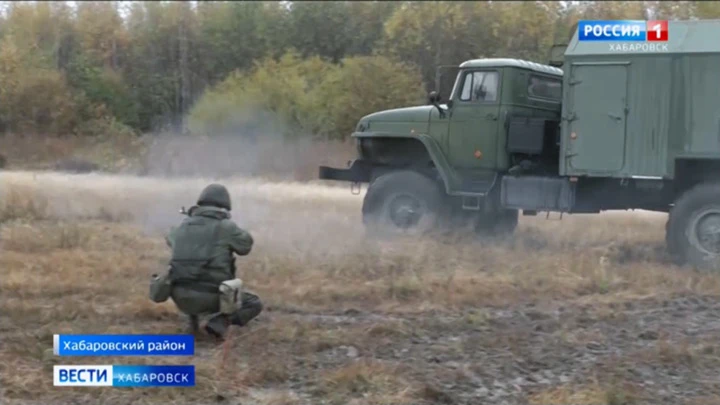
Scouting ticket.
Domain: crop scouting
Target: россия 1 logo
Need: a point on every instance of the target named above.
(623, 30)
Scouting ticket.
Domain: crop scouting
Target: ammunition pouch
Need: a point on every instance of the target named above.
(230, 296)
(160, 287)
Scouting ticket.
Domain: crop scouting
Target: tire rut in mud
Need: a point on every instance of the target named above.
(666, 350)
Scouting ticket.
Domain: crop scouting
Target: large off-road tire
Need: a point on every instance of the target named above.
(403, 203)
(693, 228)
(499, 224)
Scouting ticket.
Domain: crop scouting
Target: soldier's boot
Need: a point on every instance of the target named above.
(217, 326)
(249, 310)
(193, 325)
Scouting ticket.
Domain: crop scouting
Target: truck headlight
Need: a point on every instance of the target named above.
(364, 148)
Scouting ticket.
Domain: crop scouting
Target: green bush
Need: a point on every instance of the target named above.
(33, 99)
(102, 87)
(105, 126)
(296, 97)
(364, 85)
(40, 102)
(275, 95)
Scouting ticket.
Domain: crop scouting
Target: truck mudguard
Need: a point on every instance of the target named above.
(431, 146)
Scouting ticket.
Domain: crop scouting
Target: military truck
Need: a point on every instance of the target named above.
(621, 126)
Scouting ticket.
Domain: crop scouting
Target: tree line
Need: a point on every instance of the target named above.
(311, 68)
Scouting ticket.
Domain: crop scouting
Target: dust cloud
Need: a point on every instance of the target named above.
(272, 178)
(286, 215)
(269, 168)
(257, 144)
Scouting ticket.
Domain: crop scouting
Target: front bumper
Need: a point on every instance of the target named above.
(358, 172)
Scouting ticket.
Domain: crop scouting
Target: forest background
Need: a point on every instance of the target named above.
(87, 72)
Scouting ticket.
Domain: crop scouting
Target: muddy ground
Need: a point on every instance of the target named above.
(651, 351)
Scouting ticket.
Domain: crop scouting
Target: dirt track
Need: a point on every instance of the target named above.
(654, 352)
(580, 311)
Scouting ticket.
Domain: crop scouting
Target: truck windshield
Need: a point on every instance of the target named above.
(545, 88)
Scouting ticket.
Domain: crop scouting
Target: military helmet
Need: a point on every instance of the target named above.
(215, 195)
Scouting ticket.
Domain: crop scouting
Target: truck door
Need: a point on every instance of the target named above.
(472, 135)
(597, 116)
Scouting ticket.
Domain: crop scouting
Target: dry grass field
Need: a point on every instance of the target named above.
(583, 310)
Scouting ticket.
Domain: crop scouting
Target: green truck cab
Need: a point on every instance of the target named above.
(604, 126)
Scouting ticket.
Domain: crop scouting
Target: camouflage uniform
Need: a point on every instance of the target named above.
(202, 258)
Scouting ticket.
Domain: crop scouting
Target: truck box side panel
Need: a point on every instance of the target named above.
(673, 99)
(705, 104)
(649, 104)
(641, 149)
(680, 111)
(695, 122)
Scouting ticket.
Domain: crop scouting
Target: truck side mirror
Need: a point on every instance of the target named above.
(434, 99)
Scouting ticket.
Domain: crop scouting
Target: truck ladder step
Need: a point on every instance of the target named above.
(471, 203)
(476, 186)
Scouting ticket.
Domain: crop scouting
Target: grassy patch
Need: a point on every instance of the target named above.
(366, 382)
(594, 394)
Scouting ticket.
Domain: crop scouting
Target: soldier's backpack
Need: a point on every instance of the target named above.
(192, 254)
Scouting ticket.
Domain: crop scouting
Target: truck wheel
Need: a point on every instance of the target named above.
(402, 202)
(499, 224)
(693, 228)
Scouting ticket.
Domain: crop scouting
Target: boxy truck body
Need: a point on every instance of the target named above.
(642, 110)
